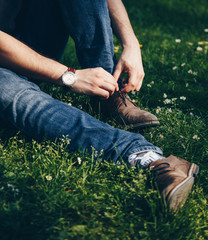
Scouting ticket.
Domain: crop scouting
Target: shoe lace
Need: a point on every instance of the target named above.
(123, 96)
(160, 168)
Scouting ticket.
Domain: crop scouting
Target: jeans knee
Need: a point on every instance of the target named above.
(11, 86)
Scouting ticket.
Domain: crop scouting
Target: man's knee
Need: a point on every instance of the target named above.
(11, 86)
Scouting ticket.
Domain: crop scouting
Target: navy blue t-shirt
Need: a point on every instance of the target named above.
(37, 23)
(9, 10)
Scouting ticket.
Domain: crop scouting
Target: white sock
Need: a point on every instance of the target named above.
(144, 158)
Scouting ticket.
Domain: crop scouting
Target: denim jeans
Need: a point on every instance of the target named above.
(42, 117)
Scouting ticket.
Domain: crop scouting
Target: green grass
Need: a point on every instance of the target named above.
(100, 200)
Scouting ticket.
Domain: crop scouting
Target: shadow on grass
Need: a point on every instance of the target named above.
(7, 130)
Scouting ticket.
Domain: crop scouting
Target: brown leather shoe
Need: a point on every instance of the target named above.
(175, 177)
(126, 112)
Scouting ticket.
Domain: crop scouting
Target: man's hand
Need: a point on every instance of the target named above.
(95, 81)
(130, 62)
(20, 58)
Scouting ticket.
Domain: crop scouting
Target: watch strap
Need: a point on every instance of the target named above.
(71, 70)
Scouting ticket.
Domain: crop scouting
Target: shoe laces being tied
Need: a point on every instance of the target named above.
(124, 97)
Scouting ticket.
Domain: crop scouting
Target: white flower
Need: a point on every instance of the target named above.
(164, 95)
(195, 73)
(174, 99)
(149, 85)
(201, 43)
(152, 82)
(190, 71)
(183, 98)
(178, 40)
(11, 186)
(196, 137)
(48, 178)
(174, 68)
(133, 100)
(158, 109)
(206, 30)
(96, 153)
(161, 136)
(79, 160)
(183, 64)
(69, 104)
(191, 114)
(187, 84)
(190, 43)
(199, 49)
(116, 49)
(169, 110)
(167, 101)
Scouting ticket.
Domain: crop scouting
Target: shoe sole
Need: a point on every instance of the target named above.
(179, 194)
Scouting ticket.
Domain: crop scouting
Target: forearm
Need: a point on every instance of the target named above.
(20, 58)
(130, 60)
(121, 23)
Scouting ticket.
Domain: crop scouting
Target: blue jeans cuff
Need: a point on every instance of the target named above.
(145, 149)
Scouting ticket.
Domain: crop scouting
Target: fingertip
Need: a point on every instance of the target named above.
(117, 73)
(116, 76)
(124, 90)
(117, 87)
(138, 88)
(105, 97)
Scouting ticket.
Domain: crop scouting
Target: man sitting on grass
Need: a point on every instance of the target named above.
(31, 30)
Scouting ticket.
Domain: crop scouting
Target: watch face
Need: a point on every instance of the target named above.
(68, 78)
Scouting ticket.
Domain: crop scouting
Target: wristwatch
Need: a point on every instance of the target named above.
(69, 77)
